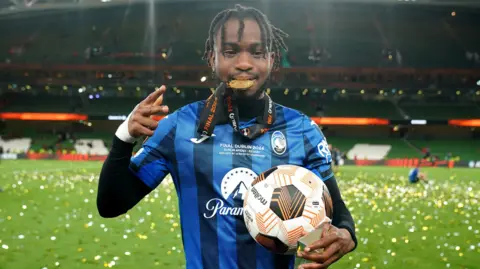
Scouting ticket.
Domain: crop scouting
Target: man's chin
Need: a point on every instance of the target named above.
(247, 93)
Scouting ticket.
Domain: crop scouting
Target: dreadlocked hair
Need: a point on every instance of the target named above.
(272, 37)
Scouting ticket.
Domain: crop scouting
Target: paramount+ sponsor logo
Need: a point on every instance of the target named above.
(258, 196)
(234, 186)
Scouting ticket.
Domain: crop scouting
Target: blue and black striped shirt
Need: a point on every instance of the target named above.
(211, 178)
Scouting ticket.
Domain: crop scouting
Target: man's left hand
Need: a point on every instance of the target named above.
(335, 243)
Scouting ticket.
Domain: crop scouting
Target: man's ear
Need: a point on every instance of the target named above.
(211, 60)
(272, 60)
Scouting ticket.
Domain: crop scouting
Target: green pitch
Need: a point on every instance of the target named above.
(48, 219)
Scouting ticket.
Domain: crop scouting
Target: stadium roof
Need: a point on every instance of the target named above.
(19, 6)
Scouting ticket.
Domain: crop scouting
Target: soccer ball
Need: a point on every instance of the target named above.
(282, 203)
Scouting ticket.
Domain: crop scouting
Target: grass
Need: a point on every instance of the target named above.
(48, 219)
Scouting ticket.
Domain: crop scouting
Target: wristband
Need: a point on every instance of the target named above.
(122, 132)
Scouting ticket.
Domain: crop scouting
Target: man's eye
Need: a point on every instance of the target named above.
(258, 53)
(229, 52)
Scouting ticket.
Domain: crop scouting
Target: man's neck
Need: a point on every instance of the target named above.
(249, 108)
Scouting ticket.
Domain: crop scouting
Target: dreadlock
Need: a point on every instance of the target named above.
(272, 37)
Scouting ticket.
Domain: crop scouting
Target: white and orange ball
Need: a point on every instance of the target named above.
(284, 202)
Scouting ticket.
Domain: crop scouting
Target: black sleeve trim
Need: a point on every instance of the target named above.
(341, 215)
(118, 188)
(326, 173)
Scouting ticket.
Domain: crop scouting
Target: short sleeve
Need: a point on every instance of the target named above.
(153, 161)
(317, 154)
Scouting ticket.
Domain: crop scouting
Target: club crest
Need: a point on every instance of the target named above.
(279, 143)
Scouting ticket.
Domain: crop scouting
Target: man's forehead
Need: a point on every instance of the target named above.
(251, 32)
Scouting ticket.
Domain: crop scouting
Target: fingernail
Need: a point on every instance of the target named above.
(307, 249)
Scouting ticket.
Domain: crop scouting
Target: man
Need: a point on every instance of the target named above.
(426, 153)
(207, 144)
(414, 176)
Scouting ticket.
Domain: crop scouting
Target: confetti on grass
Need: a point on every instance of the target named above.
(48, 219)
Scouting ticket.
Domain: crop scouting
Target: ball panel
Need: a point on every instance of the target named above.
(260, 196)
(264, 175)
(294, 234)
(271, 181)
(282, 233)
(267, 222)
(290, 232)
(284, 175)
(271, 243)
(288, 169)
(250, 221)
(313, 216)
(287, 202)
(307, 183)
(282, 179)
(320, 199)
(271, 170)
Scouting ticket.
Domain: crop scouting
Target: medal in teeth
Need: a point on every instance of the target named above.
(240, 84)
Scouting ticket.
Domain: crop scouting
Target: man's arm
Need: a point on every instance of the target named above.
(318, 159)
(118, 188)
(341, 215)
(125, 180)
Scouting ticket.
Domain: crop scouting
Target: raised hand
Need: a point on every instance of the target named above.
(140, 122)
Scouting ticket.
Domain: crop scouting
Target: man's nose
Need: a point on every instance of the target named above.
(244, 62)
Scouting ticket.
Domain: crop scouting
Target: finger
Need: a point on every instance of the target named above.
(152, 97)
(326, 227)
(159, 100)
(323, 242)
(321, 257)
(329, 252)
(146, 122)
(152, 110)
(142, 130)
(332, 259)
(310, 266)
(324, 265)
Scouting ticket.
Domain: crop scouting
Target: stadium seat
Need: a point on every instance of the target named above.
(91, 147)
(17, 145)
(368, 152)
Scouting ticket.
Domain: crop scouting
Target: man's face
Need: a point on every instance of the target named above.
(244, 59)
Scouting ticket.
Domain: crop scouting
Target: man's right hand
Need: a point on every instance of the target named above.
(140, 122)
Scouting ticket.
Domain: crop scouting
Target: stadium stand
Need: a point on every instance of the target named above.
(399, 148)
(335, 107)
(362, 108)
(17, 145)
(354, 37)
(368, 152)
(91, 147)
(423, 110)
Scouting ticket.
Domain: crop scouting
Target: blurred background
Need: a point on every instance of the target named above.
(392, 83)
(411, 67)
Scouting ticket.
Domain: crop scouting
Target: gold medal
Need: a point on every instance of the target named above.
(240, 84)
